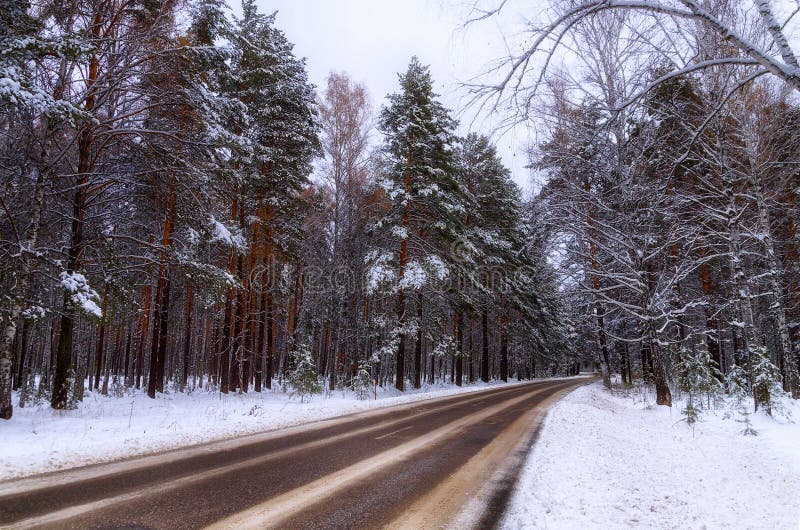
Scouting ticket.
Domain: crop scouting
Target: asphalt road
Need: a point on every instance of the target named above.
(448, 462)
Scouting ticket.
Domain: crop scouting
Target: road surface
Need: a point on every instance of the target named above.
(448, 462)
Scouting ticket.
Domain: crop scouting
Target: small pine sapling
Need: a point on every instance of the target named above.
(738, 385)
(303, 378)
(748, 425)
(362, 381)
(697, 375)
(767, 389)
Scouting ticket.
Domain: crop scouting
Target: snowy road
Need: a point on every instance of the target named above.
(448, 461)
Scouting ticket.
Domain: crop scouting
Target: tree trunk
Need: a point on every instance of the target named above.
(399, 382)
(31, 242)
(743, 299)
(712, 326)
(163, 325)
(63, 363)
(155, 380)
(23, 354)
(239, 358)
(602, 345)
(663, 394)
(485, 349)
(127, 371)
(225, 356)
(460, 353)
(101, 343)
(777, 309)
(418, 349)
(187, 337)
(263, 322)
(143, 330)
(504, 346)
(270, 316)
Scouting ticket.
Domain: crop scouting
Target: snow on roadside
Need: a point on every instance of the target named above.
(608, 461)
(103, 428)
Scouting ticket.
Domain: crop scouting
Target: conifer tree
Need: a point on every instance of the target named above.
(426, 202)
(266, 188)
(494, 233)
(26, 106)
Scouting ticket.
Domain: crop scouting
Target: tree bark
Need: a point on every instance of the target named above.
(485, 349)
(418, 349)
(187, 337)
(63, 363)
(101, 338)
(460, 353)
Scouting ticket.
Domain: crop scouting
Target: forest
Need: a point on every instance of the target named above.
(161, 228)
(182, 210)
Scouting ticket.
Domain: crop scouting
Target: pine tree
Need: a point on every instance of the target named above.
(362, 381)
(24, 105)
(697, 376)
(494, 241)
(766, 377)
(281, 122)
(23, 43)
(426, 204)
(266, 188)
(304, 378)
(184, 87)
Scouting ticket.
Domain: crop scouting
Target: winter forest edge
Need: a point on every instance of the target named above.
(183, 211)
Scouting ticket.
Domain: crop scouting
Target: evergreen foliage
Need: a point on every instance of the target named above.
(304, 378)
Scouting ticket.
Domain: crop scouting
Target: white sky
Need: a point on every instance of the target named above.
(373, 40)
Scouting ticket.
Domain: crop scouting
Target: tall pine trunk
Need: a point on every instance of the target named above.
(100, 342)
(63, 361)
(485, 348)
(155, 380)
(418, 349)
(459, 369)
(187, 337)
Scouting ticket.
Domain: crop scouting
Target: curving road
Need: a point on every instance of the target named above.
(448, 462)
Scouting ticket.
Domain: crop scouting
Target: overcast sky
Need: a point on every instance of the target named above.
(373, 40)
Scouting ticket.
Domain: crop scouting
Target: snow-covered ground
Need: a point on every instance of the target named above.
(38, 439)
(613, 461)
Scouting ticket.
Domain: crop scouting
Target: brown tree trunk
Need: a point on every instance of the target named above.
(224, 367)
(23, 354)
(663, 394)
(401, 295)
(63, 362)
(155, 380)
(399, 383)
(100, 343)
(418, 349)
(270, 368)
(712, 327)
(460, 353)
(126, 368)
(187, 337)
(504, 344)
(485, 349)
(239, 359)
(263, 322)
(143, 330)
(163, 324)
(225, 355)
